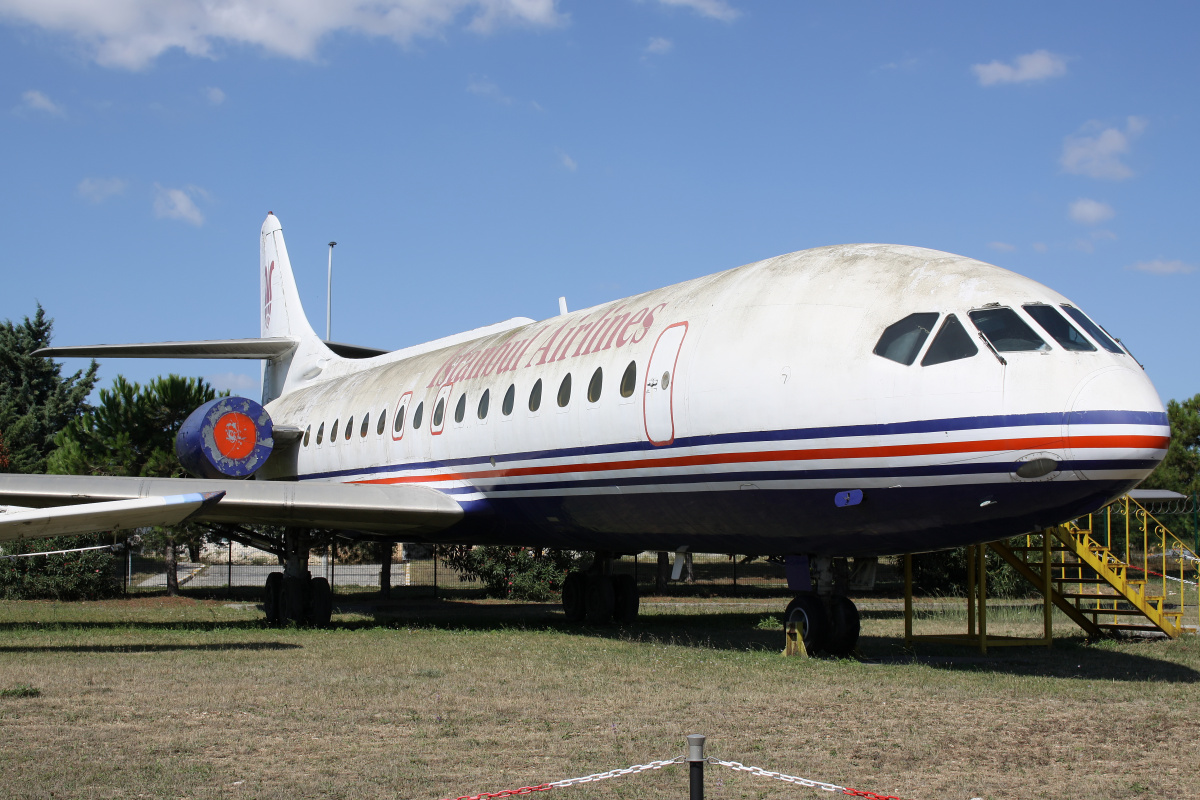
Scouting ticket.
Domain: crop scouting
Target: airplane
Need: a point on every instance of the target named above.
(844, 402)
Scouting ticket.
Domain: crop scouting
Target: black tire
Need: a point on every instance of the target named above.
(271, 597)
(574, 600)
(844, 626)
(600, 599)
(812, 625)
(625, 598)
(291, 605)
(320, 602)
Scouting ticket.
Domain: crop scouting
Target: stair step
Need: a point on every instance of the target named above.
(1121, 626)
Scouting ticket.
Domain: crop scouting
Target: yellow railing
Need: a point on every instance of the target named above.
(1148, 556)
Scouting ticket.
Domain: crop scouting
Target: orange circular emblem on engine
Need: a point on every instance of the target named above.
(235, 435)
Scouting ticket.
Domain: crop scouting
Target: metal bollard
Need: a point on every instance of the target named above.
(696, 765)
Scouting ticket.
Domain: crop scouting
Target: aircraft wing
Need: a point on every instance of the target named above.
(38, 523)
(416, 510)
(211, 348)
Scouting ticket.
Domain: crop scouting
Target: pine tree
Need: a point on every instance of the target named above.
(36, 401)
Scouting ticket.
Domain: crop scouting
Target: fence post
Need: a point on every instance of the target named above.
(435, 560)
(230, 572)
(696, 766)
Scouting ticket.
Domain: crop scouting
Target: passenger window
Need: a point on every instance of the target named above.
(1094, 330)
(535, 396)
(460, 410)
(629, 379)
(417, 415)
(307, 431)
(484, 399)
(349, 428)
(901, 341)
(1057, 326)
(564, 391)
(1006, 331)
(510, 398)
(595, 385)
(439, 412)
(333, 432)
(398, 426)
(320, 432)
(366, 423)
(379, 426)
(952, 343)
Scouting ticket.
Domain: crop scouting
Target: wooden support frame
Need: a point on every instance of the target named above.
(976, 634)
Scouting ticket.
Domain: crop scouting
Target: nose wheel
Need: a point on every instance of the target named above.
(829, 626)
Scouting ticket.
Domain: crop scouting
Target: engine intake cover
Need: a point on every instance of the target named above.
(230, 437)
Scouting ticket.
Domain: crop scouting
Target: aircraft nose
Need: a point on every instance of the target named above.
(1116, 426)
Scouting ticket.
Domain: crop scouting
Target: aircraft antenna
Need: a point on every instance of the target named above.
(329, 292)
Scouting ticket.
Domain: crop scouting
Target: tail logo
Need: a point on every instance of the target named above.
(268, 273)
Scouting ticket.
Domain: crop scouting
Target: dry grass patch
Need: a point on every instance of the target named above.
(434, 700)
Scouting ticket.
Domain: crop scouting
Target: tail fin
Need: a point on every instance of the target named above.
(282, 314)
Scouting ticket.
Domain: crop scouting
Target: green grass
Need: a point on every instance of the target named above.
(186, 698)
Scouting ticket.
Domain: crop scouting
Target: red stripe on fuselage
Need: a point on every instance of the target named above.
(816, 454)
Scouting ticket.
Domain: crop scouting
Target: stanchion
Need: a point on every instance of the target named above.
(696, 765)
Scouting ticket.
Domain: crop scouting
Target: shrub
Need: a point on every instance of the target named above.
(519, 573)
(945, 573)
(92, 575)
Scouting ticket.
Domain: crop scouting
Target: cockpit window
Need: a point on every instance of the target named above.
(901, 341)
(1094, 330)
(1006, 331)
(1057, 326)
(952, 343)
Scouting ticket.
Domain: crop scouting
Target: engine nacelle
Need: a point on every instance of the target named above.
(230, 437)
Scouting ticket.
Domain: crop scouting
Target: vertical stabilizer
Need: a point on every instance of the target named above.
(282, 316)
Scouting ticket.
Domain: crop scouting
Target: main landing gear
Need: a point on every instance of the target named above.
(598, 596)
(294, 595)
(826, 619)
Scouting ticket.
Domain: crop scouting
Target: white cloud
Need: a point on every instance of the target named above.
(234, 382)
(1036, 66)
(1161, 267)
(34, 100)
(178, 203)
(1039, 247)
(1002, 247)
(99, 189)
(1099, 155)
(1090, 212)
(716, 9)
(214, 95)
(484, 87)
(658, 46)
(132, 33)
(1103, 234)
(567, 161)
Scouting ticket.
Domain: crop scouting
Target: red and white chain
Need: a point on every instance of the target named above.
(828, 787)
(599, 776)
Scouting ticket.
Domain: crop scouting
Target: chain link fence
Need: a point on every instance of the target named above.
(413, 571)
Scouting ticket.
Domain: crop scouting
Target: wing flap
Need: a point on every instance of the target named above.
(39, 523)
(376, 508)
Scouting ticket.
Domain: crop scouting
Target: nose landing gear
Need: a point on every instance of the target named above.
(600, 597)
(826, 619)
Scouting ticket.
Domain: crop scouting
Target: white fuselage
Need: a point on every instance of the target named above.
(758, 406)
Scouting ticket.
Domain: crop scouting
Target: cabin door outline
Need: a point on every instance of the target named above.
(658, 401)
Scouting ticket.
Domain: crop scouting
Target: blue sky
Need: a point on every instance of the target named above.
(475, 159)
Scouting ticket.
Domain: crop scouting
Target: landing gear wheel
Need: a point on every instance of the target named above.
(625, 598)
(811, 623)
(271, 597)
(600, 599)
(843, 634)
(320, 602)
(292, 600)
(574, 599)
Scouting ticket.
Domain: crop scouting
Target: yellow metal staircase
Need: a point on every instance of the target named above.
(1131, 577)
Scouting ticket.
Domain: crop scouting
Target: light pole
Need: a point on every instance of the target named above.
(329, 292)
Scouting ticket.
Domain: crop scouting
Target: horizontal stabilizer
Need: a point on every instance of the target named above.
(376, 508)
(214, 348)
(39, 523)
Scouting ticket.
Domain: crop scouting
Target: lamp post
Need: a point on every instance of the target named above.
(329, 292)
